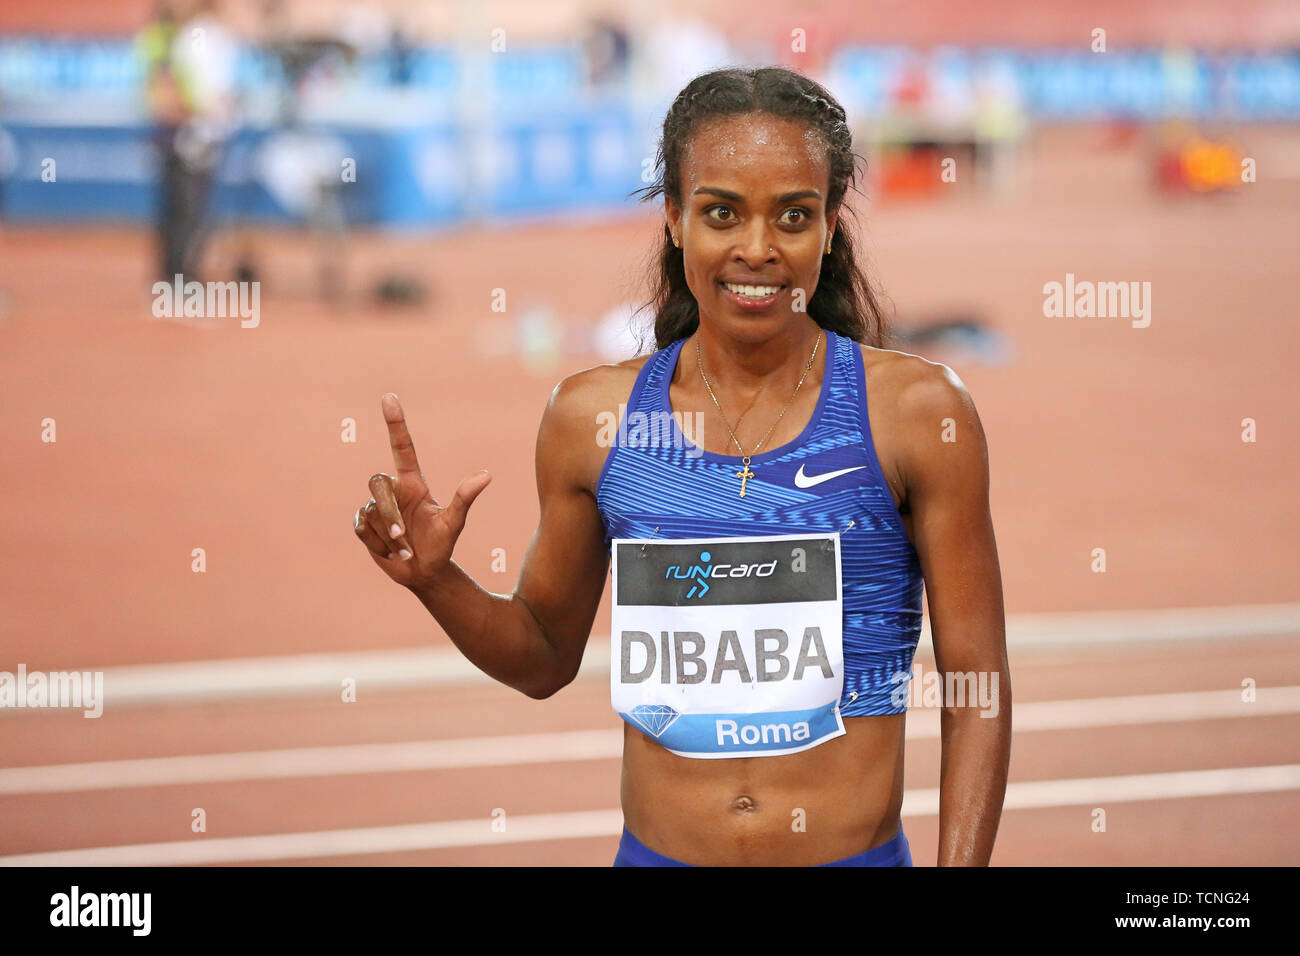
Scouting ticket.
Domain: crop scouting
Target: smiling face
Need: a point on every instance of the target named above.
(752, 221)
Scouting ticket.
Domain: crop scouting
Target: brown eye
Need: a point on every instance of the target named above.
(714, 213)
(801, 213)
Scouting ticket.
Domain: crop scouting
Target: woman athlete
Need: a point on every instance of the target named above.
(827, 478)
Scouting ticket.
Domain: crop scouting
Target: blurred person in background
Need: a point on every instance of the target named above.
(607, 54)
(400, 54)
(8, 163)
(299, 164)
(189, 74)
(677, 49)
(8, 158)
(1001, 123)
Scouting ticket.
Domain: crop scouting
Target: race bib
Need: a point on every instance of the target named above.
(729, 647)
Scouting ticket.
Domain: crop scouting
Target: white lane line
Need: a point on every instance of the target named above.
(315, 762)
(1157, 624)
(1032, 794)
(322, 674)
(609, 823)
(291, 846)
(259, 677)
(922, 723)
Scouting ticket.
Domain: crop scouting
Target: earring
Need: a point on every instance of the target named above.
(828, 244)
(675, 242)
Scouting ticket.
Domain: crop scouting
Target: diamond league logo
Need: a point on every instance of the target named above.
(655, 718)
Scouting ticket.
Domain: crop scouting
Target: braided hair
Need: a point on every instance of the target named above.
(844, 300)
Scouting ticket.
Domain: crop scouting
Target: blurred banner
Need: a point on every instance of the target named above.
(427, 145)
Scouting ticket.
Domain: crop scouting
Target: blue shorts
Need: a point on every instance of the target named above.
(632, 852)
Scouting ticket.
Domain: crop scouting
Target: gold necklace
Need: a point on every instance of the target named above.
(745, 473)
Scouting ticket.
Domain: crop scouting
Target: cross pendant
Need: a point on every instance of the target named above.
(744, 475)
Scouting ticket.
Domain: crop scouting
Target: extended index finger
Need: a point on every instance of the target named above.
(404, 459)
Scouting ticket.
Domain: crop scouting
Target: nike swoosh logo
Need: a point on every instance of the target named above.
(805, 481)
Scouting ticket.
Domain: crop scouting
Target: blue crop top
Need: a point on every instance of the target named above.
(672, 489)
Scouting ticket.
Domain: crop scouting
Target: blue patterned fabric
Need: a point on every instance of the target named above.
(894, 852)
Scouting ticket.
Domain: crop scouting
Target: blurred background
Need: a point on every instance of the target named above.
(433, 197)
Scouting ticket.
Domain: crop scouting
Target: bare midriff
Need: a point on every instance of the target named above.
(835, 800)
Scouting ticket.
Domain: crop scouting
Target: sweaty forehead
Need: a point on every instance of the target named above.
(766, 153)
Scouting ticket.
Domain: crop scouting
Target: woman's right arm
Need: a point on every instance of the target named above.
(532, 639)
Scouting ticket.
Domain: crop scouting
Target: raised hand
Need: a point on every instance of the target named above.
(409, 535)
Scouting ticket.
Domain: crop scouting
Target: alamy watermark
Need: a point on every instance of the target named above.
(1104, 300)
(921, 688)
(71, 689)
(129, 910)
(208, 300)
(654, 429)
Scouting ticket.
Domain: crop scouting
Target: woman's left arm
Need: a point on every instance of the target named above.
(945, 471)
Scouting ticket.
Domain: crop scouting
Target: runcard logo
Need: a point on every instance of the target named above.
(700, 573)
(721, 571)
(1104, 300)
(102, 909)
(208, 300)
(73, 689)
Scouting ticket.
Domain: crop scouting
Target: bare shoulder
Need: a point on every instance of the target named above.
(915, 390)
(926, 420)
(593, 390)
(582, 408)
